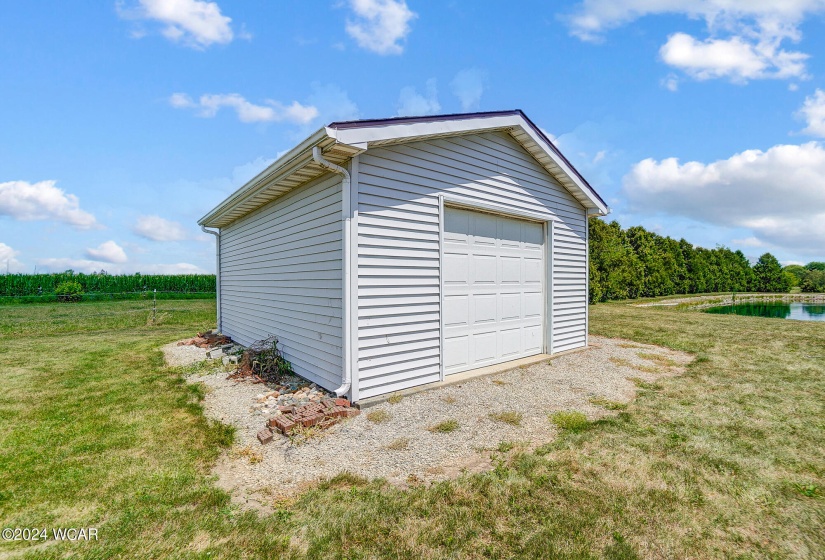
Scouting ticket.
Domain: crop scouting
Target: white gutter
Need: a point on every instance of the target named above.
(217, 235)
(346, 383)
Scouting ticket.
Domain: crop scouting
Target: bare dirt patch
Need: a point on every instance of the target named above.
(574, 382)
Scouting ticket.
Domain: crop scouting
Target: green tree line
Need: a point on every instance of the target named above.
(633, 262)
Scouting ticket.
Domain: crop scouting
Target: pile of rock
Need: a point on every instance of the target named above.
(289, 418)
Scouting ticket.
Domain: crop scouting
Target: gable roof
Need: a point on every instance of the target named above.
(340, 141)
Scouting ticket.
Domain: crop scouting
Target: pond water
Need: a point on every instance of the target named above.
(798, 311)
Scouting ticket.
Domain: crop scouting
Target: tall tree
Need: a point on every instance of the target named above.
(769, 277)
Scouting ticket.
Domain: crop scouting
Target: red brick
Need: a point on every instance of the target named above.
(312, 420)
(341, 402)
(328, 403)
(285, 425)
(286, 408)
(350, 412)
(265, 436)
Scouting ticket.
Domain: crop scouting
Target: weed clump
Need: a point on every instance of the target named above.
(444, 427)
(399, 444)
(608, 404)
(508, 417)
(264, 359)
(571, 421)
(378, 416)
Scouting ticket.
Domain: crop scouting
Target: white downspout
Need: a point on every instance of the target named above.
(217, 235)
(346, 383)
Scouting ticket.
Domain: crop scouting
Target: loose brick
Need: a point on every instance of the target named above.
(265, 436)
(350, 412)
(341, 402)
(286, 409)
(285, 425)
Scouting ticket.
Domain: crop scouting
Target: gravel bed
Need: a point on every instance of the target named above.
(255, 473)
(183, 355)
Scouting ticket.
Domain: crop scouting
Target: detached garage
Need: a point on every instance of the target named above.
(386, 254)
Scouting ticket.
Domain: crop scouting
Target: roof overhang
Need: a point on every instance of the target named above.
(340, 141)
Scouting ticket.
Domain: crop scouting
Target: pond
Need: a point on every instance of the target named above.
(798, 311)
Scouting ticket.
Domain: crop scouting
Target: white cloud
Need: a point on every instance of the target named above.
(813, 111)
(208, 106)
(468, 85)
(670, 83)
(736, 58)
(108, 251)
(599, 156)
(748, 242)
(195, 23)
(412, 103)
(8, 260)
(89, 266)
(380, 24)
(778, 194)
(26, 201)
(156, 228)
(744, 36)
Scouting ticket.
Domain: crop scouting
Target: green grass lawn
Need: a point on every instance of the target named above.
(725, 461)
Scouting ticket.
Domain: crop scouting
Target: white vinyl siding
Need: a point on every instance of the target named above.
(281, 274)
(398, 243)
(569, 289)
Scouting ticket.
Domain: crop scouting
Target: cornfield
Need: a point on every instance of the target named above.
(18, 285)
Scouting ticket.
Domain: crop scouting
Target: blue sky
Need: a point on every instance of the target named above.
(122, 123)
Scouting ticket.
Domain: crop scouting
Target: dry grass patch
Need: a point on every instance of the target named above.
(448, 399)
(657, 358)
(395, 398)
(608, 404)
(642, 384)
(628, 345)
(499, 382)
(444, 427)
(399, 444)
(507, 416)
(627, 363)
(378, 416)
(251, 454)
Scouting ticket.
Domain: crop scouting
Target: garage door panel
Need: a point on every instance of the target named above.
(457, 226)
(509, 270)
(484, 307)
(533, 305)
(484, 229)
(533, 271)
(484, 346)
(456, 352)
(456, 311)
(483, 269)
(493, 307)
(456, 269)
(511, 307)
(510, 340)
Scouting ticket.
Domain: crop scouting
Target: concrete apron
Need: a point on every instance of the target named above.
(464, 376)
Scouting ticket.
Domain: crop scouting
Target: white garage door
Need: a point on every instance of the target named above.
(493, 275)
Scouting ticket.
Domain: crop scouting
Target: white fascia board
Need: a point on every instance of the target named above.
(362, 136)
(565, 167)
(278, 165)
